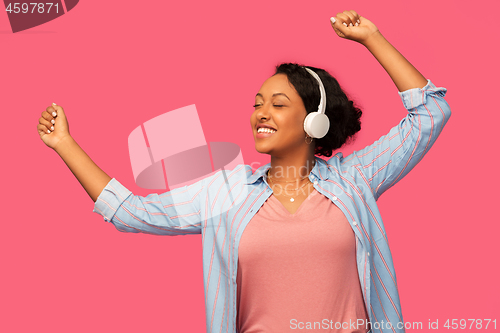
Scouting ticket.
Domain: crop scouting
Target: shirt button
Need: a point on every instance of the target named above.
(334, 198)
(354, 223)
(368, 253)
(315, 182)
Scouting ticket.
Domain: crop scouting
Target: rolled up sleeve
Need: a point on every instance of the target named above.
(172, 213)
(394, 155)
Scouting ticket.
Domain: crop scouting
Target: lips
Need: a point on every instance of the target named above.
(265, 126)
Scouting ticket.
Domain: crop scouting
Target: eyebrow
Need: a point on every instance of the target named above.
(259, 94)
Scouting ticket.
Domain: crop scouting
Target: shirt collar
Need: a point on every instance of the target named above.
(320, 171)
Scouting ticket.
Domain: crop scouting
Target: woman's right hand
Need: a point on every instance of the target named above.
(53, 126)
(350, 25)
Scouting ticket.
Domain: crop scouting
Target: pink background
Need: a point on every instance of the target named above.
(114, 66)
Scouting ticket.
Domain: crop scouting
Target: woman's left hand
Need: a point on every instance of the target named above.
(350, 25)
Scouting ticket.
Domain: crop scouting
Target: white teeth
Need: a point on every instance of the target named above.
(265, 130)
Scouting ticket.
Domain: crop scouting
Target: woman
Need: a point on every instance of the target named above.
(321, 263)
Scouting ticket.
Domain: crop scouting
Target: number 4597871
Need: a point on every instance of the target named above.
(24, 8)
(474, 323)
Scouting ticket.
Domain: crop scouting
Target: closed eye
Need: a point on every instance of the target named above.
(277, 106)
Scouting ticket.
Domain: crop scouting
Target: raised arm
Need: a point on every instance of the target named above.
(176, 212)
(385, 162)
(53, 129)
(351, 25)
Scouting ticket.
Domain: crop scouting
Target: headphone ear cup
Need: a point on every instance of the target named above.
(316, 124)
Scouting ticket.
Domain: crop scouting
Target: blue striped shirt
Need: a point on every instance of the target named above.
(220, 206)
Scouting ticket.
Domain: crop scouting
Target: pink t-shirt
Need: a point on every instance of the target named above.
(298, 271)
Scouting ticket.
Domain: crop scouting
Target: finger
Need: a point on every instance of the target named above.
(48, 116)
(51, 110)
(46, 123)
(352, 18)
(335, 25)
(42, 129)
(356, 17)
(59, 110)
(343, 19)
(340, 25)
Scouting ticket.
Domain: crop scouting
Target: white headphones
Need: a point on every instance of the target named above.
(316, 124)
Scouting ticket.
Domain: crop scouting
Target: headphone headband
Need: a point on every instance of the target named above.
(316, 124)
(322, 103)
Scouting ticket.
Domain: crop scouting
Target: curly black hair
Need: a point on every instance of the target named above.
(344, 116)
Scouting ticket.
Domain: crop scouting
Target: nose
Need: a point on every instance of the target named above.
(263, 112)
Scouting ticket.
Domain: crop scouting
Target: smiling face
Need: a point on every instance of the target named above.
(279, 106)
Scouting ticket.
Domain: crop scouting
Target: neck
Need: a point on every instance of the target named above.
(291, 167)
